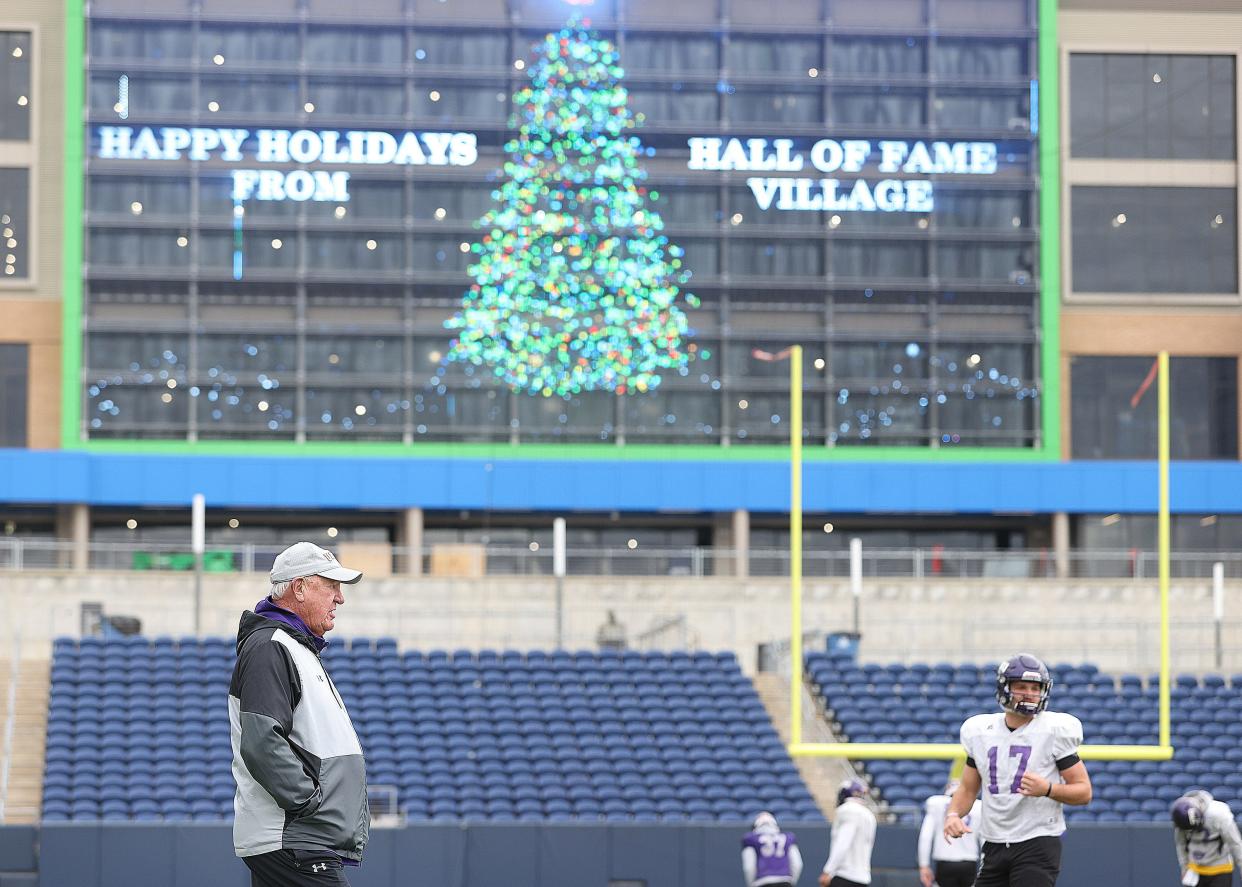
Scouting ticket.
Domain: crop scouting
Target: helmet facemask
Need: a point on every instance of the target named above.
(1023, 667)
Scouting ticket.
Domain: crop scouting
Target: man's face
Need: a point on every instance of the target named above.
(318, 599)
(1025, 691)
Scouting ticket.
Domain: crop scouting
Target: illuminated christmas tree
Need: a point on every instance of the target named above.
(576, 288)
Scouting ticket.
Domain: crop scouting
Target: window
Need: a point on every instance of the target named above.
(222, 44)
(589, 416)
(971, 111)
(1152, 106)
(129, 41)
(674, 105)
(1113, 408)
(130, 248)
(869, 259)
(136, 198)
(780, 258)
(667, 414)
(878, 55)
(348, 98)
(372, 357)
(763, 417)
(14, 369)
(451, 203)
(974, 59)
(883, 108)
(760, 55)
(15, 230)
(144, 94)
(357, 250)
(353, 46)
(252, 95)
(450, 103)
(770, 105)
(380, 410)
(674, 55)
(15, 93)
(1154, 240)
(464, 49)
(370, 200)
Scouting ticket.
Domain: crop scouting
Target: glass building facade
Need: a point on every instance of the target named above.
(305, 305)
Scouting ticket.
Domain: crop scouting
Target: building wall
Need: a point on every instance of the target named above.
(30, 307)
(1143, 324)
(1112, 623)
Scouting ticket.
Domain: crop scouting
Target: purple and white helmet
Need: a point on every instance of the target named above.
(851, 788)
(765, 822)
(1190, 810)
(1023, 667)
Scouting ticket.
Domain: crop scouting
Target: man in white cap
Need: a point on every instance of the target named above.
(301, 801)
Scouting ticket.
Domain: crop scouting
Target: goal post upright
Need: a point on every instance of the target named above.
(950, 751)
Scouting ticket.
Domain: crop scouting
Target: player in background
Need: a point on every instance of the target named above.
(941, 861)
(1025, 759)
(770, 857)
(1207, 840)
(853, 838)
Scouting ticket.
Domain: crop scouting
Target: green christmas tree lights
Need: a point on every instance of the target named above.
(576, 288)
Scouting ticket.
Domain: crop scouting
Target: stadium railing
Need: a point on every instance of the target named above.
(23, 554)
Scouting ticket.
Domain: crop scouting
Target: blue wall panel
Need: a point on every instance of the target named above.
(549, 855)
(51, 477)
(647, 853)
(17, 848)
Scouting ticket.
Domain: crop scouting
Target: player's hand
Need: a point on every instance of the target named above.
(926, 876)
(824, 878)
(1034, 785)
(955, 827)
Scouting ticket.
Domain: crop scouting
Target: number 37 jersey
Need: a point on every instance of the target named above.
(1002, 756)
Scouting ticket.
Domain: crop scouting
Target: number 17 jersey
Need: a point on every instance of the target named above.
(1002, 756)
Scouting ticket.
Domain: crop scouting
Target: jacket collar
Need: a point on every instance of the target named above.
(270, 610)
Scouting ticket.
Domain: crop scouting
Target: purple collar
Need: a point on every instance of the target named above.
(271, 610)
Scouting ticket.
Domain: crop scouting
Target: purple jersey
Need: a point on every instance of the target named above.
(771, 855)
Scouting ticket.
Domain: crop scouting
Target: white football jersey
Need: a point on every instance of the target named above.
(1002, 756)
(1213, 849)
(934, 846)
(853, 837)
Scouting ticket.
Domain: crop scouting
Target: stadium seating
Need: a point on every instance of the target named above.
(138, 730)
(928, 702)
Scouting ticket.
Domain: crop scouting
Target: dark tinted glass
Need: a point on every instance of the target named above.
(1154, 240)
(1114, 408)
(1152, 106)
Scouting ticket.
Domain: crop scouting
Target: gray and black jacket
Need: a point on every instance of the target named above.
(301, 779)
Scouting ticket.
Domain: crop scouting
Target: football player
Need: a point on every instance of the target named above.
(1207, 840)
(770, 857)
(1025, 760)
(943, 862)
(853, 838)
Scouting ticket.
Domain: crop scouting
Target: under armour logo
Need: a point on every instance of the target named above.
(319, 867)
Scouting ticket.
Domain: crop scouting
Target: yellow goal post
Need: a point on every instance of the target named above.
(952, 751)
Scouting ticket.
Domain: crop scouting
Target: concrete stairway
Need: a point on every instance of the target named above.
(823, 776)
(25, 782)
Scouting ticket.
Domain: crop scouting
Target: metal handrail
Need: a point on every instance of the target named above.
(18, 554)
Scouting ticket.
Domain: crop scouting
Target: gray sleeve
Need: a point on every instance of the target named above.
(268, 690)
(1229, 830)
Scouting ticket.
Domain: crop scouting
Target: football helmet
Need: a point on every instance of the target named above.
(1023, 667)
(765, 822)
(1190, 810)
(851, 788)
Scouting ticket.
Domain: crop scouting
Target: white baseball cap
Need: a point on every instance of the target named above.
(308, 559)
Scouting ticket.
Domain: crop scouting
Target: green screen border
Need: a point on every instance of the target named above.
(74, 229)
(1049, 348)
